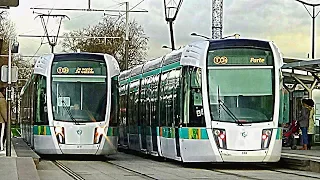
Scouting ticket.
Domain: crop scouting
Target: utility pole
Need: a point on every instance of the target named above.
(127, 36)
(313, 16)
(15, 49)
(8, 144)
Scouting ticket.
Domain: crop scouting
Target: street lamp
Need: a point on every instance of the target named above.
(171, 9)
(195, 34)
(236, 36)
(313, 16)
(167, 47)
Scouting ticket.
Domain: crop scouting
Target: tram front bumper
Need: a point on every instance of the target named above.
(243, 156)
(79, 149)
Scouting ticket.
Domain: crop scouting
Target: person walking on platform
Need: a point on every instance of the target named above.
(304, 123)
(3, 117)
(310, 104)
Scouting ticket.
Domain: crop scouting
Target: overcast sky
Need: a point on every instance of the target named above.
(286, 22)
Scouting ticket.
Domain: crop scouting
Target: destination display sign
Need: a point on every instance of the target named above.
(78, 68)
(240, 57)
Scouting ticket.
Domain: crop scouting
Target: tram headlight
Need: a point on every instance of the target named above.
(99, 132)
(266, 138)
(59, 132)
(220, 138)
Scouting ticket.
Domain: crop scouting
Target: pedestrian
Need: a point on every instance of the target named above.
(310, 104)
(304, 123)
(3, 117)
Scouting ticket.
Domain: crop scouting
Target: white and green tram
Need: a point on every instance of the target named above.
(70, 104)
(211, 101)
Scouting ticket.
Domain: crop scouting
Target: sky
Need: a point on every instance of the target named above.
(285, 22)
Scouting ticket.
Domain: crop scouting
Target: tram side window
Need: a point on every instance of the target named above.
(143, 104)
(163, 101)
(123, 105)
(41, 101)
(114, 102)
(154, 101)
(196, 107)
(170, 98)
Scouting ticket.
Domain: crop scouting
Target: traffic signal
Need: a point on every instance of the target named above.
(9, 3)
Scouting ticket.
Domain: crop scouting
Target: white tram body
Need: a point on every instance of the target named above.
(211, 101)
(69, 105)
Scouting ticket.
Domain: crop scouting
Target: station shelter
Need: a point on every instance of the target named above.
(301, 80)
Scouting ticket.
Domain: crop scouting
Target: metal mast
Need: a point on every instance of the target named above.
(313, 16)
(217, 12)
(54, 40)
(171, 9)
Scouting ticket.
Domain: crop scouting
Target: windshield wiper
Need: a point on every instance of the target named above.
(64, 106)
(228, 111)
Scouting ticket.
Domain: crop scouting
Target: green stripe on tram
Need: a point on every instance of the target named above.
(279, 133)
(170, 66)
(113, 131)
(167, 132)
(41, 130)
(193, 133)
(150, 73)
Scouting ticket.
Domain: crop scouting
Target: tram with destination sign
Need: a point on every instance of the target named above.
(70, 104)
(210, 101)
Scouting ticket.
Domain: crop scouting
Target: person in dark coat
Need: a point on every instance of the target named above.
(304, 123)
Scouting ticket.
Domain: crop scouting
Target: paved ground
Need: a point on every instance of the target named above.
(128, 166)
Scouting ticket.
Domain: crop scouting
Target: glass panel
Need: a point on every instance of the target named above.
(244, 93)
(81, 101)
(41, 104)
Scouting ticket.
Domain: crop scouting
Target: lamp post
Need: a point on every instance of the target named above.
(171, 9)
(313, 16)
(13, 48)
(199, 35)
(236, 36)
(167, 47)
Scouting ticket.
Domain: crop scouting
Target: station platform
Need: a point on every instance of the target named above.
(307, 160)
(21, 165)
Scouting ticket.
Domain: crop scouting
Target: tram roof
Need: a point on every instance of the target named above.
(312, 66)
(305, 70)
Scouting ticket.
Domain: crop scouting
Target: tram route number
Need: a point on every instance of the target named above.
(220, 60)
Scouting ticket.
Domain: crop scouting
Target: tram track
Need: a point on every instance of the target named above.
(265, 167)
(67, 170)
(143, 175)
(287, 172)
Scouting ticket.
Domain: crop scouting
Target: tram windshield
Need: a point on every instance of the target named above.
(79, 99)
(241, 94)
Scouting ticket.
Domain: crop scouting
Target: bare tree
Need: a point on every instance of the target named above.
(110, 27)
(7, 31)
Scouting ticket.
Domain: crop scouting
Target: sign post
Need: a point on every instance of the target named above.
(8, 145)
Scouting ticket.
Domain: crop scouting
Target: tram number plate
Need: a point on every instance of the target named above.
(79, 147)
(244, 152)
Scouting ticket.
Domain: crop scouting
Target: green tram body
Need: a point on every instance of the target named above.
(163, 105)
